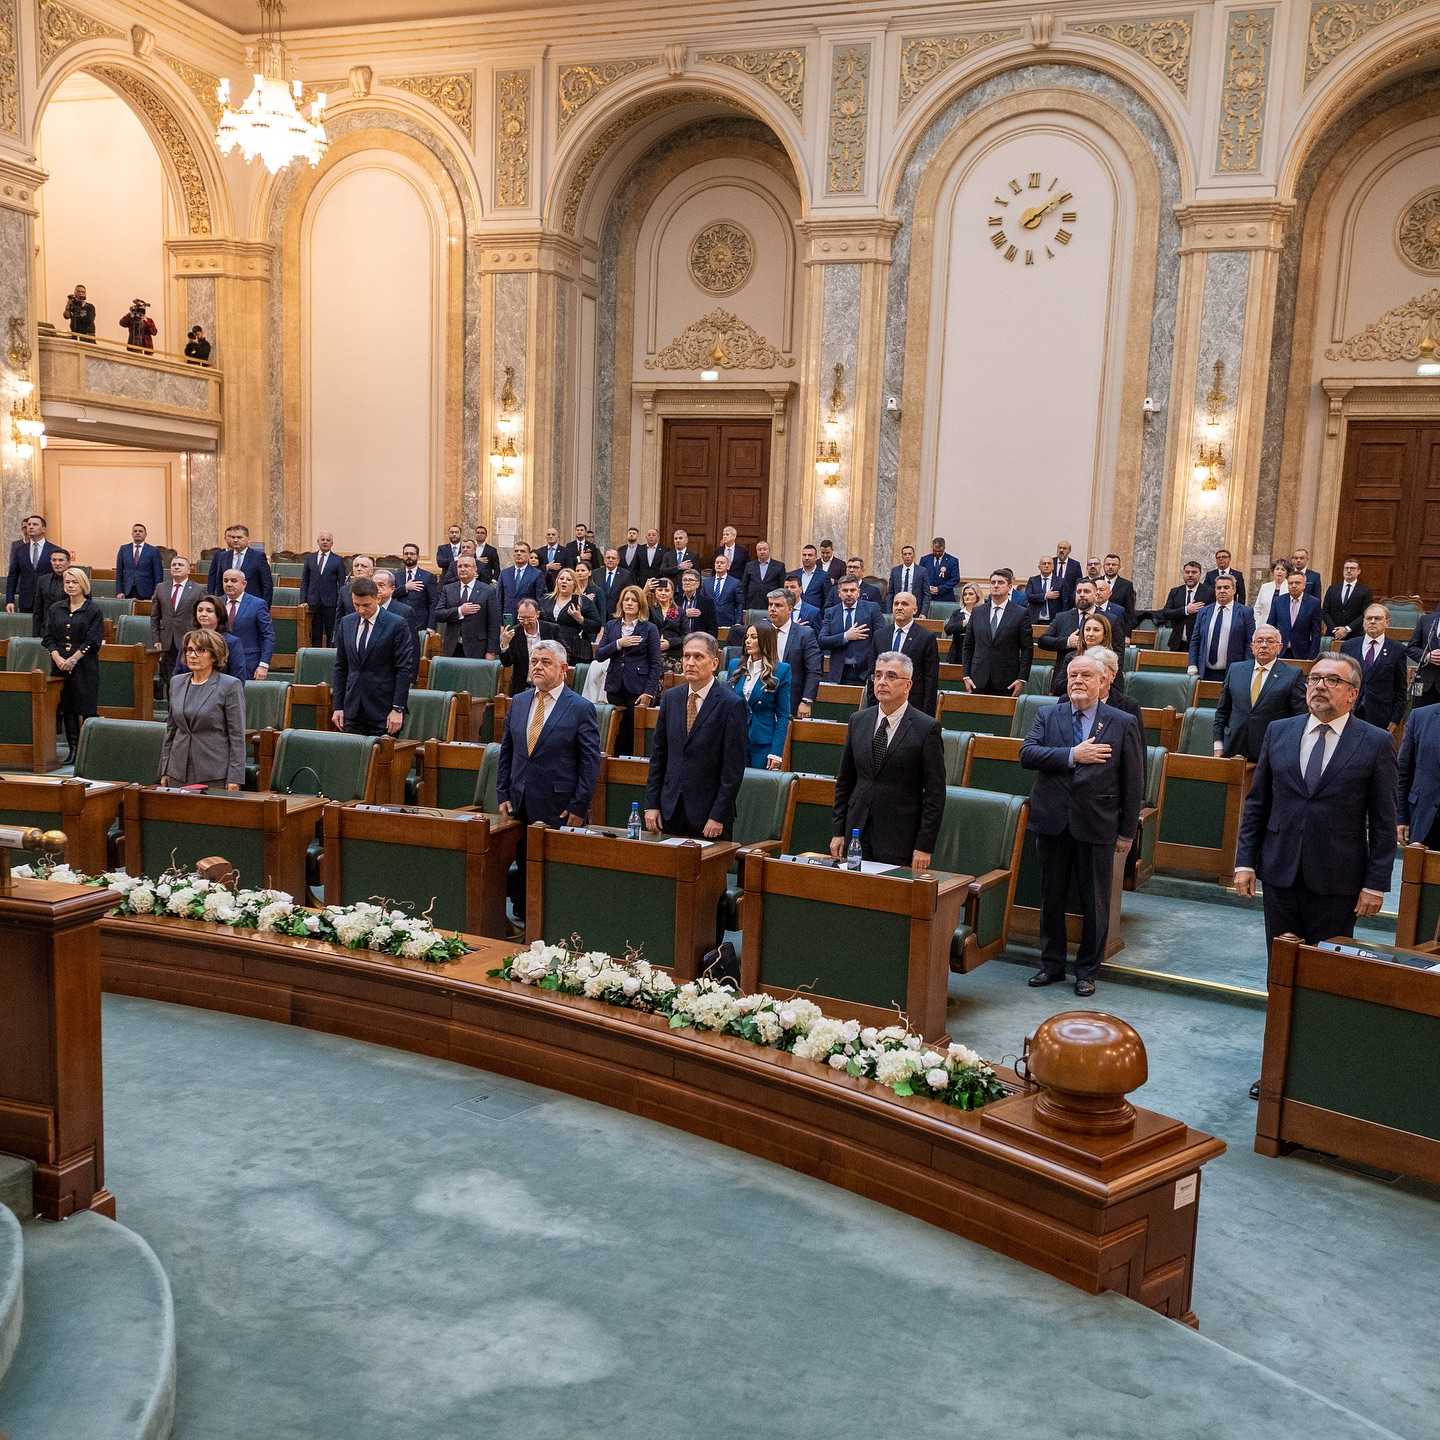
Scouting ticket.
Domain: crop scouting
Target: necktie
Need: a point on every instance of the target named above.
(465, 595)
(537, 719)
(517, 574)
(137, 554)
(1370, 654)
(1345, 594)
(1294, 612)
(899, 640)
(881, 742)
(409, 576)
(692, 709)
(1257, 681)
(320, 556)
(1077, 727)
(905, 580)
(849, 618)
(364, 639)
(234, 606)
(1189, 598)
(994, 619)
(175, 597)
(717, 590)
(34, 554)
(1217, 623)
(1315, 767)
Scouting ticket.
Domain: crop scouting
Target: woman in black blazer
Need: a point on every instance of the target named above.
(567, 616)
(958, 621)
(210, 615)
(666, 617)
(632, 646)
(74, 633)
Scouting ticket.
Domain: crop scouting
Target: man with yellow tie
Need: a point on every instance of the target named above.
(1256, 693)
(549, 755)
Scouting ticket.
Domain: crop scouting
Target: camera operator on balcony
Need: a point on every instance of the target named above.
(81, 315)
(197, 347)
(139, 326)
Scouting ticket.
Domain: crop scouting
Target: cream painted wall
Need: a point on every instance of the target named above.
(370, 405)
(102, 211)
(1024, 394)
(95, 493)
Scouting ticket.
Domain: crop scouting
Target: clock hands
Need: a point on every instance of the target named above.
(1031, 219)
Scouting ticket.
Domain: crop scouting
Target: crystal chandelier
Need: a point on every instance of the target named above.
(269, 125)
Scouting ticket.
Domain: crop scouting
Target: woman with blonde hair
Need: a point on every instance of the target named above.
(959, 621)
(631, 644)
(764, 681)
(74, 633)
(568, 616)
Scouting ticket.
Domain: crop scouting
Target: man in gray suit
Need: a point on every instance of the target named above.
(1256, 693)
(172, 615)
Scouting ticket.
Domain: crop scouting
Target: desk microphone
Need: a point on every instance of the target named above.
(289, 787)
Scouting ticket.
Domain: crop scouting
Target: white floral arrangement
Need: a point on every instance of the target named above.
(187, 896)
(891, 1054)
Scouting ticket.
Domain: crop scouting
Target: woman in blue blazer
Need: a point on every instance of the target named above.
(764, 681)
(210, 615)
(632, 646)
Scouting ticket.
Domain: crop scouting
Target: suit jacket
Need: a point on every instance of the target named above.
(759, 580)
(544, 557)
(629, 555)
(739, 558)
(817, 591)
(1242, 631)
(138, 580)
(941, 571)
(834, 567)
(369, 686)
(204, 732)
(768, 711)
(995, 660)
(1425, 639)
(729, 603)
(529, 583)
(1301, 640)
(20, 577)
(445, 554)
(802, 655)
(1235, 575)
(1119, 623)
(577, 636)
(919, 587)
(516, 657)
(259, 582)
(479, 633)
(695, 776)
(169, 623)
(922, 649)
(1241, 727)
(401, 611)
(634, 670)
(487, 562)
(707, 620)
(648, 563)
(1069, 575)
(1418, 790)
(320, 589)
(1312, 583)
(1341, 839)
(1042, 611)
(253, 632)
(610, 592)
(575, 551)
(1340, 615)
(957, 625)
(1122, 593)
(1057, 638)
(49, 590)
(421, 602)
(1096, 804)
(1182, 625)
(558, 776)
(1386, 684)
(845, 652)
(897, 807)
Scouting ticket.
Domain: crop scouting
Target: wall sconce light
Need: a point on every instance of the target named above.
(1210, 454)
(1429, 365)
(503, 452)
(718, 358)
(27, 427)
(827, 449)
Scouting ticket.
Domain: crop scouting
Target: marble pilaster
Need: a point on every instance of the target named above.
(202, 481)
(20, 482)
(829, 511)
(510, 346)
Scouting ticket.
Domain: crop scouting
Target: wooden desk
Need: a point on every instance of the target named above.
(27, 719)
(264, 835)
(866, 945)
(84, 809)
(666, 904)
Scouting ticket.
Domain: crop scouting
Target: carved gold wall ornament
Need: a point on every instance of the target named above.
(1164, 42)
(142, 42)
(723, 340)
(1335, 27)
(849, 118)
(1248, 41)
(1043, 224)
(161, 121)
(1417, 232)
(9, 68)
(780, 71)
(62, 26)
(200, 83)
(452, 95)
(924, 58)
(580, 84)
(1396, 335)
(512, 139)
(722, 257)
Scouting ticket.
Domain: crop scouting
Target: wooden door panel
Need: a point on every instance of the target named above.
(693, 457)
(716, 473)
(690, 506)
(1374, 523)
(745, 479)
(1389, 517)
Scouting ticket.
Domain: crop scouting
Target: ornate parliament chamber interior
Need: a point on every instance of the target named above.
(502, 500)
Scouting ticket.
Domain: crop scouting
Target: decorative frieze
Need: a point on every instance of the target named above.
(452, 95)
(200, 83)
(782, 72)
(849, 119)
(924, 58)
(1163, 42)
(723, 340)
(722, 257)
(62, 26)
(1248, 41)
(580, 84)
(9, 68)
(512, 139)
(1417, 232)
(1396, 335)
(1335, 27)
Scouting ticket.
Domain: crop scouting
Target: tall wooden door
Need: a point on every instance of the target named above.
(715, 473)
(1390, 507)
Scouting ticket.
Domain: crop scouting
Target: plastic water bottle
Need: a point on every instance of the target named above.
(852, 853)
(632, 825)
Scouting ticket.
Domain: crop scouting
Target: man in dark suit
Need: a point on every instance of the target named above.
(1122, 591)
(1257, 692)
(737, 557)
(1424, 651)
(1222, 567)
(1068, 574)
(680, 559)
(1319, 823)
(804, 612)
(814, 582)
(29, 560)
(172, 616)
(651, 558)
(891, 783)
(1345, 602)
(468, 615)
(373, 665)
(249, 561)
(515, 643)
(1418, 789)
(725, 594)
(362, 567)
(445, 554)
(699, 749)
(519, 579)
(248, 625)
(850, 634)
(999, 642)
(320, 582)
(1042, 592)
(609, 581)
(941, 571)
(919, 647)
(1064, 631)
(1297, 617)
(138, 567)
(1084, 809)
(487, 557)
(906, 579)
(1222, 635)
(1113, 612)
(630, 550)
(447, 575)
(1301, 561)
(392, 604)
(830, 562)
(1184, 602)
(549, 754)
(762, 575)
(550, 558)
(697, 609)
(855, 569)
(419, 589)
(1384, 670)
(580, 548)
(50, 588)
(796, 645)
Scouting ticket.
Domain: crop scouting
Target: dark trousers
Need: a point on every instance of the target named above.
(322, 625)
(679, 823)
(516, 886)
(625, 735)
(1062, 856)
(1294, 910)
(853, 675)
(1208, 672)
(881, 855)
(359, 725)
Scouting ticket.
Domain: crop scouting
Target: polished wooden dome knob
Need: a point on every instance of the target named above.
(1087, 1063)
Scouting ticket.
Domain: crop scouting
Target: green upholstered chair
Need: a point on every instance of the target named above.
(480, 679)
(430, 717)
(993, 763)
(1027, 707)
(981, 833)
(122, 750)
(102, 588)
(449, 772)
(487, 779)
(127, 682)
(312, 762)
(1199, 822)
(809, 815)
(310, 697)
(1153, 690)
(1197, 731)
(760, 809)
(1140, 861)
(957, 743)
(952, 677)
(837, 702)
(753, 617)
(814, 747)
(1162, 637)
(983, 714)
(1130, 659)
(942, 610)
(132, 630)
(15, 625)
(622, 783)
(1158, 661)
(267, 707)
(25, 652)
(576, 676)
(286, 595)
(112, 608)
(607, 718)
(314, 665)
(1040, 678)
(1404, 614)
(286, 570)
(1419, 913)
(291, 624)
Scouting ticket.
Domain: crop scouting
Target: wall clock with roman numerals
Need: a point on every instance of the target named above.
(1032, 220)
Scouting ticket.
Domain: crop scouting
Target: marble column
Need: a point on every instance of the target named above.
(21, 483)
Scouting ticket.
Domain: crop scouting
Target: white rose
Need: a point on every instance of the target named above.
(226, 915)
(930, 1060)
(788, 1017)
(312, 923)
(839, 1062)
(868, 1036)
(964, 1055)
(631, 985)
(142, 900)
(938, 1079)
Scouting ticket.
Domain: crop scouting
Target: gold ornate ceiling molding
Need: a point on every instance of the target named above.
(722, 257)
(782, 72)
(171, 135)
(1335, 27)
(452, 95)
(924, 58)
(512, 139)
(1396, 335)
(1161, 41)
(200, 83)
(9, 68)
(849, 119)
(62, 26)
(1417, 232)
(741, 347)
(1249, 38)
(580, 84)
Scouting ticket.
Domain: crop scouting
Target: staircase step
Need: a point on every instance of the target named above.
(12, 1288)
(97, 1354)
(17, 1186)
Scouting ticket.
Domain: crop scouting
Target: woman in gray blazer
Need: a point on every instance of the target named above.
(205, 731)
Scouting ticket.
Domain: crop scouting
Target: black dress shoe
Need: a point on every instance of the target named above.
(1044, 977)
(1084, 987)
(1255, 1091)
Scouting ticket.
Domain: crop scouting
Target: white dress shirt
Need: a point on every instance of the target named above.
(1308, 739)
(552, 703)
(894, 720)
